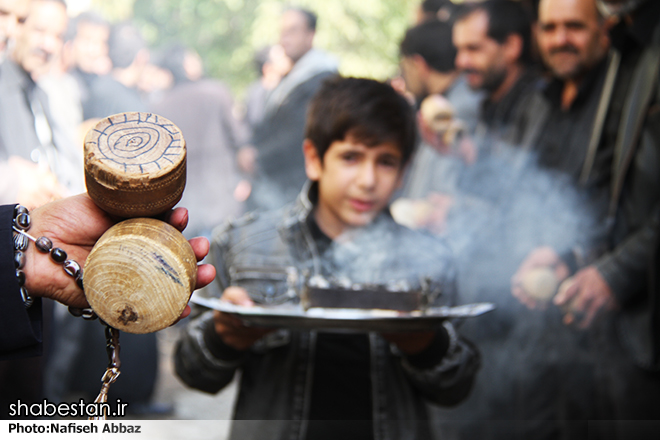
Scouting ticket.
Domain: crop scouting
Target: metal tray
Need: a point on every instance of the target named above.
(352, 320)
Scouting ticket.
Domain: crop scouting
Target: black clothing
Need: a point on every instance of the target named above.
(342, 363)
(561, 151)
(563, 141)
(635, 187)
(497, 139)
(498, 117)
(20, 328)
(627, 339)
(278, 140)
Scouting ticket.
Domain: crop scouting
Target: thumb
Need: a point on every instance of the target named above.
(567, 290)
(237, 295)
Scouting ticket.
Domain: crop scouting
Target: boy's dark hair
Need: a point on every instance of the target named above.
(369, 111)
(432, 41)
(505, 17)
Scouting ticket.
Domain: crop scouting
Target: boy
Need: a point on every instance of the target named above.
(312, 384)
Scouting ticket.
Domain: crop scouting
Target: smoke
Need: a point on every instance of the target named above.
(391, 256)
(505, 206)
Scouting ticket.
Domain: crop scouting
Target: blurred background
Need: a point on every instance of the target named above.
(226, 33)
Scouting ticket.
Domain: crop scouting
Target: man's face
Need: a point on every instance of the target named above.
(295, 36)
(40, 38)
(478, 56)
(355, 182)
(571, 38)
(90, 47)
(413, 77)
(12, 14)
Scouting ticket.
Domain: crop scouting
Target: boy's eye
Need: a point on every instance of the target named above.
(349, 157)
(391, 162)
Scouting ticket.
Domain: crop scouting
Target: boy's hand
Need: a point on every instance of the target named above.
(230, 328)
(410, 343)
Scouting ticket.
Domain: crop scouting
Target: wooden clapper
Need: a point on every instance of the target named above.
(140, 274)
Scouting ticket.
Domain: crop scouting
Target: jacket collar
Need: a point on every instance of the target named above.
(301, 209)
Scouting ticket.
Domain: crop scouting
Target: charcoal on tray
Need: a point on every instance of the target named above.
(395, 295)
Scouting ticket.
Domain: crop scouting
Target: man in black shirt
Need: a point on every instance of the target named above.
(493, 51)
(573, 44)
(613, 294)
(493, 44)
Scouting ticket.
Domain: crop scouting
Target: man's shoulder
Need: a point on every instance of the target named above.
(309, 87)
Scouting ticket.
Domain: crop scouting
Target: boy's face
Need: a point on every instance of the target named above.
(355, 182)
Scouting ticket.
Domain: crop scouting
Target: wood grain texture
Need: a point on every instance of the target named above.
(139, 275)
(135, 164)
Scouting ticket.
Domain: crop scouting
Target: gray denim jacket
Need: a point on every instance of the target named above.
(277, 372)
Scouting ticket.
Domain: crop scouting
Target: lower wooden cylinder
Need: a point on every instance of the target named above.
(139, 276)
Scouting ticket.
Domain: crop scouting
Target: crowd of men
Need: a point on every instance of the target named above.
(560, 173)
(552, 164)
(59, 77)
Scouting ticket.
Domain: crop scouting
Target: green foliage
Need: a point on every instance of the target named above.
(363, 35)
